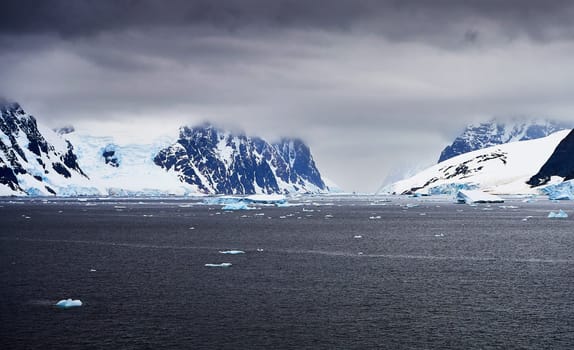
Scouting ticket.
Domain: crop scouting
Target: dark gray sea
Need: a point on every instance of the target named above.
(332, 273)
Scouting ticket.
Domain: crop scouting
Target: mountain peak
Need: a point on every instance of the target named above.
(486, 134)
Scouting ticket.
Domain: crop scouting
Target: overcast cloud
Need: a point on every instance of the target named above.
(374, 87)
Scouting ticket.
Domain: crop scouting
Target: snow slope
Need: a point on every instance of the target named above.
(483, 135)
(502, 169)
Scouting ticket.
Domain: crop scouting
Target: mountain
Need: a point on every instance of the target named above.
(33, 160)
(216, 161)
(37, 161)
(502, 169)
(560, 163)
(483, 135)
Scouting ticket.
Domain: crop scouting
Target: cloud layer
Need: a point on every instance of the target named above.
(372, 86)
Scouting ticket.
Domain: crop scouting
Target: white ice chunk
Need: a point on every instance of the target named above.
(561, 214)
(236, 206)
(477, 196)
(218, 265)
(232, 252)
(357, 236)
(68, 303)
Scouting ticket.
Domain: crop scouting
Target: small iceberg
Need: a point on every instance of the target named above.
(218, 265)
(68, 303)
(477, 196)
(232, 252)
(561, 214)
(357, 236)
(237, 206)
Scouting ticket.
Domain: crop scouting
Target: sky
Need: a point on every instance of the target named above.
(376, 88)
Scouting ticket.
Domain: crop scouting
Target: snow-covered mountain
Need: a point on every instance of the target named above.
(216, 161)
(483, 135)
(33, 159)
(502, 169)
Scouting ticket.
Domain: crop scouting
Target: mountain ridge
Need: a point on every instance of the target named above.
(494, 132)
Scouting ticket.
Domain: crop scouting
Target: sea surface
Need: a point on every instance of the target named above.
(329, 273)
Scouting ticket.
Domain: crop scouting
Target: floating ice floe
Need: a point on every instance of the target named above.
(236, 206)
(259, 249)
(411, 205)
(477, 196)
(439, 235)
(232, 252)
(218, 265)
(68, 303)
(374, 217)
(357, 236)
(561, 214)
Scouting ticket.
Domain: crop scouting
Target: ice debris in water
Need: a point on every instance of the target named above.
(439, 235)
(561, 214)
(357, 236)
(374, 217)
(68, 303)
(218, 265)
(259, 249)
(232, 252)
(236, 206)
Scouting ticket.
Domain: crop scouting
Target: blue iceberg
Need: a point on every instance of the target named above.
(561, 191)
(451, 188)
(68, 303)
(237, 206)
(561, 214)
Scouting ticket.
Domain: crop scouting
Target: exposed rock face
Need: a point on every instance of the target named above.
(560, 163)
(223, 163)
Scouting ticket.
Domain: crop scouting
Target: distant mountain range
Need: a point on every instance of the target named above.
(483, 135)
(511, 158)
(205, 160)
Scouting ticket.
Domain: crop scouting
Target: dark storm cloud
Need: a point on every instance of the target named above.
(397, 20)
(380, 84)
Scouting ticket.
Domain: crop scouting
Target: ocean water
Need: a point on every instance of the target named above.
(434, 275)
